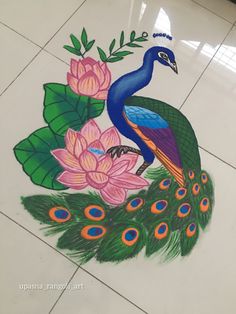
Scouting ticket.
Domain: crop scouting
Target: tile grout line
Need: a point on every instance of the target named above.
(69, 259)
(209, 10)
(63, 291)
(95, 277)
(34, 235)
(58, 58)
(23, 36)
(42, 48)
(64, 23)
(25, 67)
(32, 42)
(220, 159)
(210, 61)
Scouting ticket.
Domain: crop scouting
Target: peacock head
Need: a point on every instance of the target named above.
(165, 56)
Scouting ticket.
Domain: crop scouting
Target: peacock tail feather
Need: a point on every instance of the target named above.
(165, 219)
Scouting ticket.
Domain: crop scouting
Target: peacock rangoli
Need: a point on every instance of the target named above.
(112, 211)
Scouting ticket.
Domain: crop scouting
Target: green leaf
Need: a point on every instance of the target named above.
(112, 45)
(102, 54)
(72, 50)
(122, 37)
(114, 59)
(84, 38)
(90, 45)
(141, 39)
(133, 45)
(63, 109)
(122, 53)
(95, 108)
(132, 36)
(34, 154)
(75, 42)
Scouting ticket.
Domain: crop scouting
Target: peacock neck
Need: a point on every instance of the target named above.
(128, 84)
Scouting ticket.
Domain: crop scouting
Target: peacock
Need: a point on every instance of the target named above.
(164, 219)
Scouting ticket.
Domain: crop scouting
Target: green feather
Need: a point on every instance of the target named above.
(121, 213)
(207, 192)
(79, 201)
(177, 222)
(154, 244)
(187, 243)
(112, 249)
(82, 249)
(172, 249)
(39, 205)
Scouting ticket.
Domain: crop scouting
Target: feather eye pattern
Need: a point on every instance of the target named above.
(166, 222)
(126, 240)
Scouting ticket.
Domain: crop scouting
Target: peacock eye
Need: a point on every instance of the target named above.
(163, 55)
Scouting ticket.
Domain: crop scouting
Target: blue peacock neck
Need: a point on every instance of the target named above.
(128, 84)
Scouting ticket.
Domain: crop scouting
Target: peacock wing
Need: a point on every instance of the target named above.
(158, 136)
(181, 131)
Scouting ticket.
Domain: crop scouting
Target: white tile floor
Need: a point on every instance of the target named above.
(32, 35)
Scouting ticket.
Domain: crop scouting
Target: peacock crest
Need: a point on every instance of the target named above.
(122, 205)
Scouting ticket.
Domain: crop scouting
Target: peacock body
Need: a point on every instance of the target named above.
(167, 217)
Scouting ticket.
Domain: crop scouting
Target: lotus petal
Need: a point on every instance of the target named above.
(129, 181)
(110, 138)
(90, 131)
(101, 95)
(88, 161)
(88, 60)
(75, 181)
(74, 67)
(113, 194)
(99, 73)
(72, 82)
(105, 164)
(119, 168)
(81, 69)
(96, 179)
(66, 160)
(107, 81)
(96, 148)
(130, 158)
(88, 84)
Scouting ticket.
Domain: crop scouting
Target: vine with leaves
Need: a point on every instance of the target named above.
(115, 53)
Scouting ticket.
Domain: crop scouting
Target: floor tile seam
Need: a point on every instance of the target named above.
(21, 35)
(206, 67)
(209, 10)
(217, 157)
(70, 260)
(41, 48)
(64, 290)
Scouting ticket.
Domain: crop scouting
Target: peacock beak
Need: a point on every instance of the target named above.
(174, 67)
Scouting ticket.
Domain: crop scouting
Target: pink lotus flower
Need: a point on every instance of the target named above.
(89, 77)
(86, 164)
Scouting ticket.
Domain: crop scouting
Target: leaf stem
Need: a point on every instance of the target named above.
(77, 44)
(127, 43)
(110, 55)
